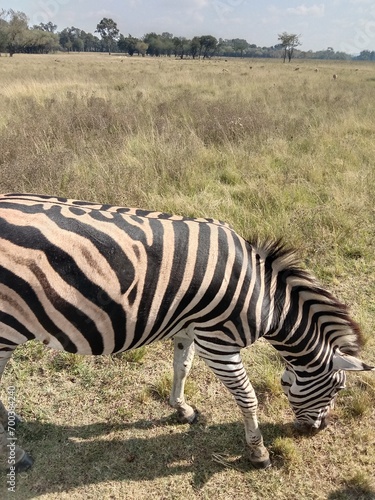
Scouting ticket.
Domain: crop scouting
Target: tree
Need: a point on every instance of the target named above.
(46, 27)
(128, 44)
(72, 39)
(107, 28)
(141, 48)
(366, 55)
(240, 45)
(208, 44)
(195, 46)
(15, 31)
(3, 31)
(155, 44)
(38, 41)
(181, 46)
(91, 42)
(289, 41)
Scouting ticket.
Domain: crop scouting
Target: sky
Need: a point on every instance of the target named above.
(344, 25)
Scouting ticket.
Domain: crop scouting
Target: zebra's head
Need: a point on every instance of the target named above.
(312, 396)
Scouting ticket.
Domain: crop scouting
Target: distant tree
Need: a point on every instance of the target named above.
(168, 46)
(239, 45)
(3, 31)
(141, 47)
(15, 31)
(128, 44)
(155, 45)
(208, 44)
(167, 35)
(289, 41)
(50, 27)
(107, 28)
(65, 41)
(181, 46)
(72, 39)
(195, 47)
(366, 55)
(38, 41)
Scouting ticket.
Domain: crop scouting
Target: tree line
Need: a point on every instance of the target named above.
(17, 36)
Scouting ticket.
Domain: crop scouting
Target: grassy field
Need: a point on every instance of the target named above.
(271, 149)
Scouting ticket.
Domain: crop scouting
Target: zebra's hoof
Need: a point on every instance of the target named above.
(24, 464)
(192, 418)
(195, 418)
(264, 464)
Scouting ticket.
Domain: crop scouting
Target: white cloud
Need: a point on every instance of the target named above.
(199, 4)
(302, 10)
(99, 14)
(273, 10)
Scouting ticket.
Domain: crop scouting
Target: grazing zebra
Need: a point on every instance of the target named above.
(100, 279)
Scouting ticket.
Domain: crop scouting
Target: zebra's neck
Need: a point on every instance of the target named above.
(287, 306)
(310, 326)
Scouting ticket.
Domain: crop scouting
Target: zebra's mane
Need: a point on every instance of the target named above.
(283, 258)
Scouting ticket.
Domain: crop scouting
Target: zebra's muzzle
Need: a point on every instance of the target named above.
(310, 429)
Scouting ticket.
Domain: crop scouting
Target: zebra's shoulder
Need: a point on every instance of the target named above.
(30, 198)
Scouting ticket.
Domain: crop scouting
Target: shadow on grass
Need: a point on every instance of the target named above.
(69, 457)
(352, 493)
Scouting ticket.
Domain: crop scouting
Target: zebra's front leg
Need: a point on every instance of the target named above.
(229, 369)
(182, 361)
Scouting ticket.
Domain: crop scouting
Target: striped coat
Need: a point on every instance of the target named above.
(100, 279)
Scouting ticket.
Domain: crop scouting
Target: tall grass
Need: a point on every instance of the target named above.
(272, 151)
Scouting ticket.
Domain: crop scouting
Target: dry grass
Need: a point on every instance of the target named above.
(271, 151)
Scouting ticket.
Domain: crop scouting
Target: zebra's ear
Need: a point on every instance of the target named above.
(349, 363)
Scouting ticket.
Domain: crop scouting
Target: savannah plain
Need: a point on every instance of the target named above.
(273, 150)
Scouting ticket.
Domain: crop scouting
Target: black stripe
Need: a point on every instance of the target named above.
(180, 254)
(203, 249)
(25, 291)
(77, 211)
(9, 320)
(154, 254)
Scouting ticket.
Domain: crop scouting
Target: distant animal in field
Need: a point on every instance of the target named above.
(334, 77)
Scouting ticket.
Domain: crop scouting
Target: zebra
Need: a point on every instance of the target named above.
(99, 279)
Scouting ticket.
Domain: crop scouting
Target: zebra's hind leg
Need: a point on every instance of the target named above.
(228, 367)
(12, 456)
(182, 361)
